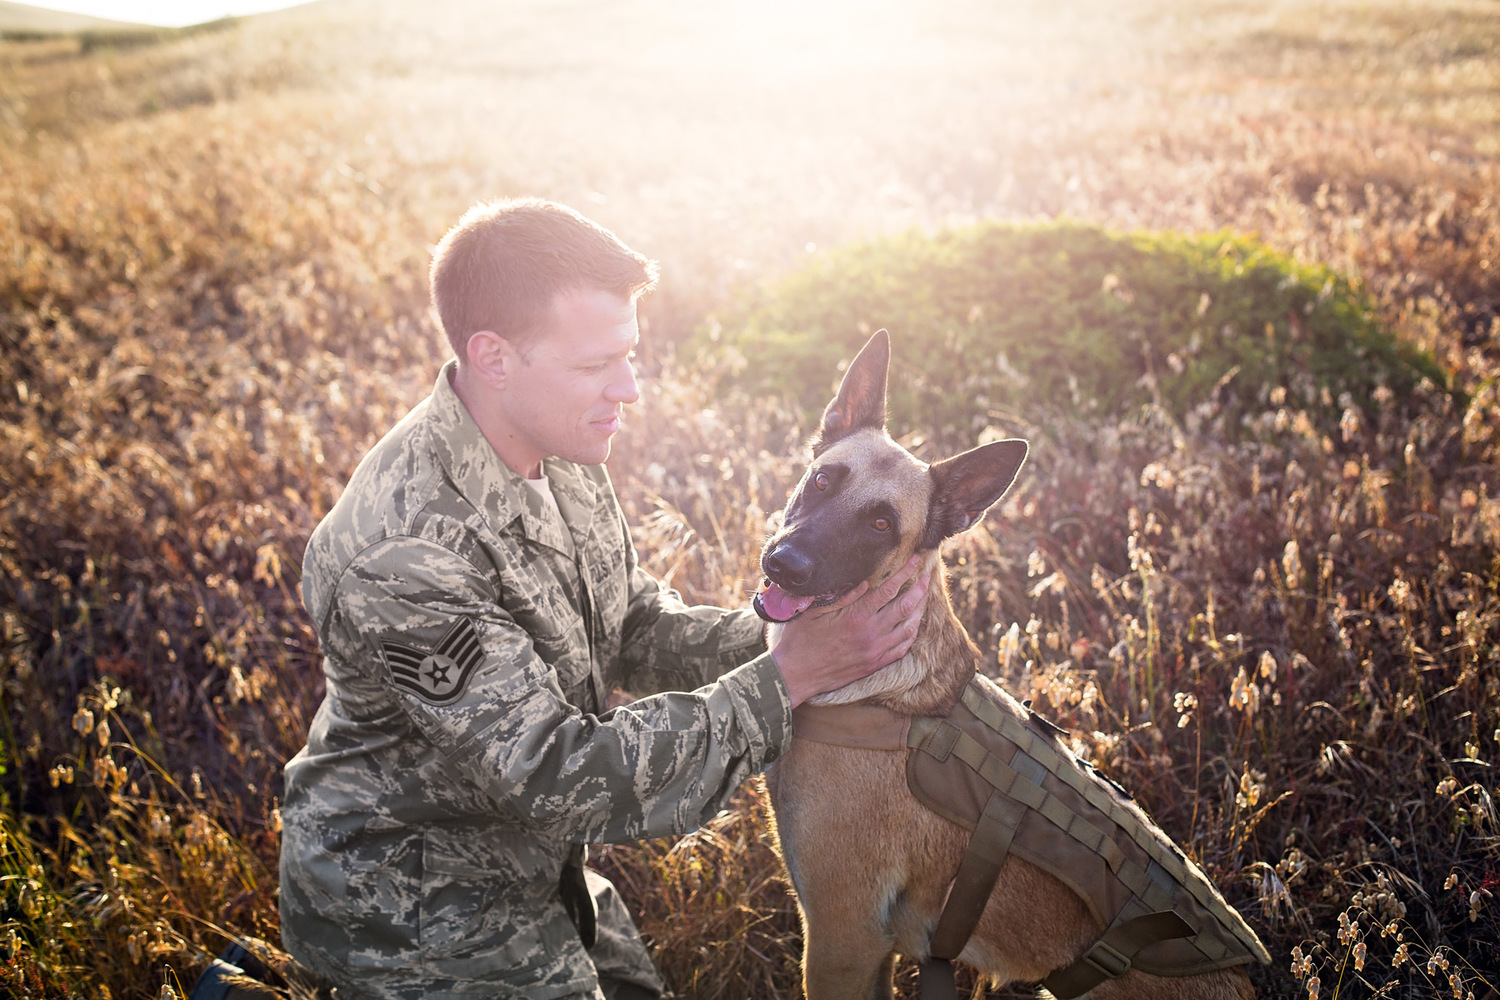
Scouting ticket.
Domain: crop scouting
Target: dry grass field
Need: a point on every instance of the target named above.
(212, 301)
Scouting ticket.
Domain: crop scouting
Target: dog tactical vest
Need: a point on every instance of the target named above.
(1014, 784)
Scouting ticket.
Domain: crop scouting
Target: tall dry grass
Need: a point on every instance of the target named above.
(211, 303)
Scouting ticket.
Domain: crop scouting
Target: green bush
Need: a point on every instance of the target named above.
(1000, 319)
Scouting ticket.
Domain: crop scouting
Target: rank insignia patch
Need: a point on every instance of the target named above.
(438, 676)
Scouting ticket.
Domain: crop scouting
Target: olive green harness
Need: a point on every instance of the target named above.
(1007, 777)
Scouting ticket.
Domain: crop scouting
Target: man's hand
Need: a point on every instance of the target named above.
(827, 648)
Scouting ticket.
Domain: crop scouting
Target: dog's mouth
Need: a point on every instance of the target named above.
(776, 605)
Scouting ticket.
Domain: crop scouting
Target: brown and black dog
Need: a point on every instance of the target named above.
(871, 866)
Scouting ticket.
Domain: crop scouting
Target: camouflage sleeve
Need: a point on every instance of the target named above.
(470, 680)
(670, 646)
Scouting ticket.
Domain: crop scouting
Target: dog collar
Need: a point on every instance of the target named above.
(863, 724)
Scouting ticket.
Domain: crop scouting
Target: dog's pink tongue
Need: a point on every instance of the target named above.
(780, 605)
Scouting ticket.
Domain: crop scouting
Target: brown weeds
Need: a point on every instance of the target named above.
(211, 302)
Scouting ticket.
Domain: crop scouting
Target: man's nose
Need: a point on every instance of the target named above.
(623, 388)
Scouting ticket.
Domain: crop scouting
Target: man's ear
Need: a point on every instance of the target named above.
(860, 401)
(490, 357)
(967, 485)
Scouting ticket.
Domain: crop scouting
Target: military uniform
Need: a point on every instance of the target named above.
(471, 637)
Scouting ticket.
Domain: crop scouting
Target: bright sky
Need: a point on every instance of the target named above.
(167, 13)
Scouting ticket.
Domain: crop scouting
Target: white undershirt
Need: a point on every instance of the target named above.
(543, 489)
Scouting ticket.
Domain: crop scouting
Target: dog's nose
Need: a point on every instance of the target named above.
(787, 567)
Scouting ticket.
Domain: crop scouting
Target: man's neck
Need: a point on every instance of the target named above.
(492, 424)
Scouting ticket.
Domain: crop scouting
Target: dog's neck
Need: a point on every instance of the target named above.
(932, 675)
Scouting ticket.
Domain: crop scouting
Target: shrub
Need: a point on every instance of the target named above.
(1009, 317)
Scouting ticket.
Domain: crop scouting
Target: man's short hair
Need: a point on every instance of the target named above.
(503, 264)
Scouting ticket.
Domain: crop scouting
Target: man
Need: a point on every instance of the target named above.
(477, 598)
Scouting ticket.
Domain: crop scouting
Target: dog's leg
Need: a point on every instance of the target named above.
(848, 869)
(845, 957)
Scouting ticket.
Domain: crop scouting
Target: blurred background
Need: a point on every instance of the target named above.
(1267, 604)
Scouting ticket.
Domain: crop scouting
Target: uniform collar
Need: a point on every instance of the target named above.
(482, 477)
(575, 493)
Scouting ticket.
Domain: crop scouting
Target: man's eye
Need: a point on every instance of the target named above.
(604, 366)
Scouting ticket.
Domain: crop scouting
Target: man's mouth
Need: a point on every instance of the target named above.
(776, 605)
(609, 424)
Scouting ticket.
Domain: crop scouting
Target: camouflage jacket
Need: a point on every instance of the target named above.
(470, 639)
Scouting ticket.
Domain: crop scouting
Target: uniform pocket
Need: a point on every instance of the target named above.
(481, 921)
(570, 659)
(470, 920)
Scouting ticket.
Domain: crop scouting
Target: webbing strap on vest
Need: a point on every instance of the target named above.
(935, 977)
(1110, 956)
(977, 874)
(988, 846)
(1107, 958)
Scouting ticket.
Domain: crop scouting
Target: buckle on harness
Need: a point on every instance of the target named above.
(1110, 961)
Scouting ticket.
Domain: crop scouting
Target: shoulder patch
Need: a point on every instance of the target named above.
(440, 675)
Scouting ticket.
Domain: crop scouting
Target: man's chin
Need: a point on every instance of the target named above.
(590, 454)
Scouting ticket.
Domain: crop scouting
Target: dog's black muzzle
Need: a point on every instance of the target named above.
(789, 573)
(787, 566)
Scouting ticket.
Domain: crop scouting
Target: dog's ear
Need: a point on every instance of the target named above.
(967, 485)
(860, 401)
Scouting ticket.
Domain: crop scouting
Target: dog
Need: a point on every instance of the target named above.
(870, 863)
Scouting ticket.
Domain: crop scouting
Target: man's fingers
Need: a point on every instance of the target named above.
(906, 572)
(903, 616)
(912, 603)
(915, 599)
(849, 598)
(892, 586)
(912, 611)
(903, 637)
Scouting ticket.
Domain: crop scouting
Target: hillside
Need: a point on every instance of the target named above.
(24, 17)
(1279, 628)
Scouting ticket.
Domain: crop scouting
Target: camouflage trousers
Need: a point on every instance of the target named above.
(626, 971)
(624, 964)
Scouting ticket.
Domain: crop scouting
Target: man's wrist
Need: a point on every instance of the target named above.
(797, 688)
(762, 702)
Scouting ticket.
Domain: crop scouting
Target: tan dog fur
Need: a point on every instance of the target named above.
(870, 865)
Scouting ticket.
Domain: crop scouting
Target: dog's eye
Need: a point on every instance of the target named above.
(821, 481)
(881, 524)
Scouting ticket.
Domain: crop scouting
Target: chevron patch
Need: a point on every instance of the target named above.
(440, 675)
